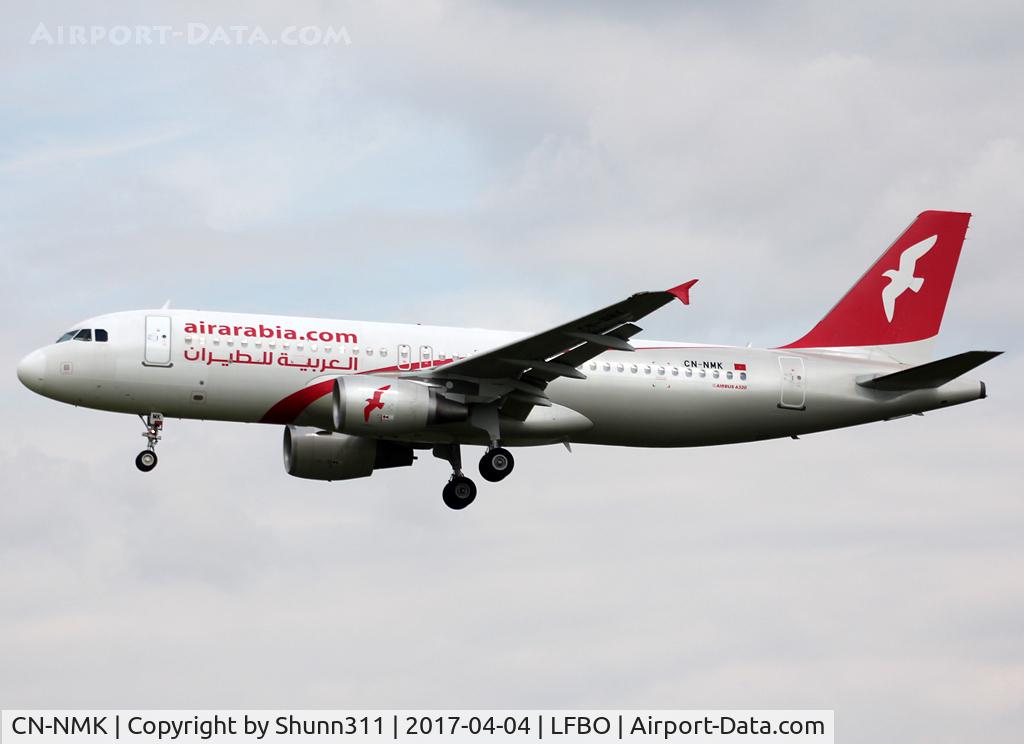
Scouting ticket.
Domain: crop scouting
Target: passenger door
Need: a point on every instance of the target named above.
(794, 383)
(158, 341)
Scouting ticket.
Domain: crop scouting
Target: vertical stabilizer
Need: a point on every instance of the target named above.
(898, 304)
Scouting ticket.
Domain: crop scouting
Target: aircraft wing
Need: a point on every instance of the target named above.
(529, 364)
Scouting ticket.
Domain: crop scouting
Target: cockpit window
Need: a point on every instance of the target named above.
(67, 336)
(84, 335)
(101, 334)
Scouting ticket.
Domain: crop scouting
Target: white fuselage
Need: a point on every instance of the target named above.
(275, 369)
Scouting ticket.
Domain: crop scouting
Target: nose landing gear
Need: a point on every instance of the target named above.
(147, 459)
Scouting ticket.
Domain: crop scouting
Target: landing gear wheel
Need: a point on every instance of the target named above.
(459, 492)
(496, 464)
(154, 423)
(146, 460)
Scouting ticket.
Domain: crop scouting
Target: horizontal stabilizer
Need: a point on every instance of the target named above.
(931, 375)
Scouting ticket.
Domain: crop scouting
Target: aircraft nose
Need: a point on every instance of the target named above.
(32, 371)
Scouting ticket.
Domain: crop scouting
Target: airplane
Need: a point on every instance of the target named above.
(355, 397)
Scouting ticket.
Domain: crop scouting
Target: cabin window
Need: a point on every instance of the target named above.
(714, 374)
(606, 367)
(620, 367)
(101, 334)
(703, 373)
(728, 375)
(661, 370)
(743, 375)
(383, 352)
(633, 368)
(675, 371)
(647, 369)
(84, 335)
(369, 351)
(593, 365)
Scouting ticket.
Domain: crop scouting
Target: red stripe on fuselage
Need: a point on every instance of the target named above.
(288, 408)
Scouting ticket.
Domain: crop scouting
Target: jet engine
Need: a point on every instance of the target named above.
(323, 455)
(383, 406)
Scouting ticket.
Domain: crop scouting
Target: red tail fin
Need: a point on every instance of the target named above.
(903, 296)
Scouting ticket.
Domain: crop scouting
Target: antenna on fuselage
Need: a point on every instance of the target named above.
(166, 305)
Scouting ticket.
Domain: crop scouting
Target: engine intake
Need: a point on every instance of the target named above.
(384, 406)
(323, 455)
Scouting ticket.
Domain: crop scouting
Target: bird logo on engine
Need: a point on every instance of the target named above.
(374, 402)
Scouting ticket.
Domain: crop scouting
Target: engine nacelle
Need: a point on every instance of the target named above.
(323, 455)
(384, 406)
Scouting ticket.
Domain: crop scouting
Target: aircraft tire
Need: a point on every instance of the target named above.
(146, 460)
(459, 493)
(496, 464)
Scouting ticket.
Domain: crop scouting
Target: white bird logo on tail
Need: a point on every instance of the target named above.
(902, 279)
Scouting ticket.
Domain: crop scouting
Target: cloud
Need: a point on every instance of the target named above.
(62, 154)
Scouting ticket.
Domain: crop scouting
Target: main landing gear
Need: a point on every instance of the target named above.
(460, 491)
(496, 464)
(154, 423)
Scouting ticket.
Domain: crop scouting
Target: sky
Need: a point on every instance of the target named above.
(514, 165)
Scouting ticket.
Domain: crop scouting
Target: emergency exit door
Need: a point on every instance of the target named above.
(158, 341)
(426, 357)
